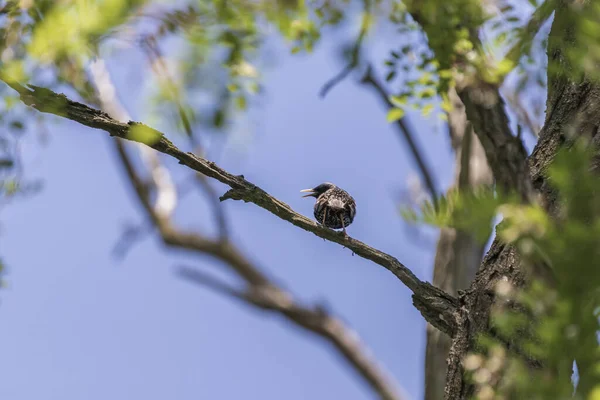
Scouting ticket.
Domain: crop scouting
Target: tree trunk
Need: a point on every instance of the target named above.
(458, 254)
(571, 111)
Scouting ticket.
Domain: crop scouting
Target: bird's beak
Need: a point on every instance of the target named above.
(309, 191)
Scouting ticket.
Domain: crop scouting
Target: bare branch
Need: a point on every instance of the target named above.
(340, 76)
(436, 306)
(504, 151)
(262, 291)
(315, 319)
(187, 240)
(355, 53)
(406, 131)
(131, 235)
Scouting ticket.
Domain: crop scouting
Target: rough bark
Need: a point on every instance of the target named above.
(458, 254)
(571, 111)
(505, 152)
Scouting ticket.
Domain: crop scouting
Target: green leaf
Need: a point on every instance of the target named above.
(11, 187)
(427, 109)
(241, 103)
(143, 134)
(394, 114)
(399, 101)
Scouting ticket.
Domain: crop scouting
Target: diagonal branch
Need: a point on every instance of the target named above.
(315, 319)
(355, 51)
(505, 152)
(262, 291)
(436, 305)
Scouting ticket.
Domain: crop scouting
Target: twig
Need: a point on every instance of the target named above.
(330, 84)
(406, 131)
(436, 305)
(355, 54)
(130, 235)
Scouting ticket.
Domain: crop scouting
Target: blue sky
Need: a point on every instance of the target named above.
(78, 324)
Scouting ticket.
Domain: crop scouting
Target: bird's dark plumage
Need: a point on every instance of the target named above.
(334, 208)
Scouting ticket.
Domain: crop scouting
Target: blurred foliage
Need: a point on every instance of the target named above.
(548, 326)
(585, 57)
(470, 211)
(56, 40)
(206, 56)
(465, 40)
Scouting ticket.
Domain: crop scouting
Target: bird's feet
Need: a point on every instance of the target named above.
(345, 234)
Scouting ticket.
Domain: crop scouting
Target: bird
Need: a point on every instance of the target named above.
(334, 208)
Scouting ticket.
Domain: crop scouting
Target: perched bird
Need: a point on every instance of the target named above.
(335, 208)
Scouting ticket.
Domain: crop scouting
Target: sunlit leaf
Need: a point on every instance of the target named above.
(394, 114)
(144, 134)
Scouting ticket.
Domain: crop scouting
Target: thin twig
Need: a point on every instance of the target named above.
(354, 55)
(330, 84)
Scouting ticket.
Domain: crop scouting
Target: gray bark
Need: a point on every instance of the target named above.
(571, 111)
(458, 254)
